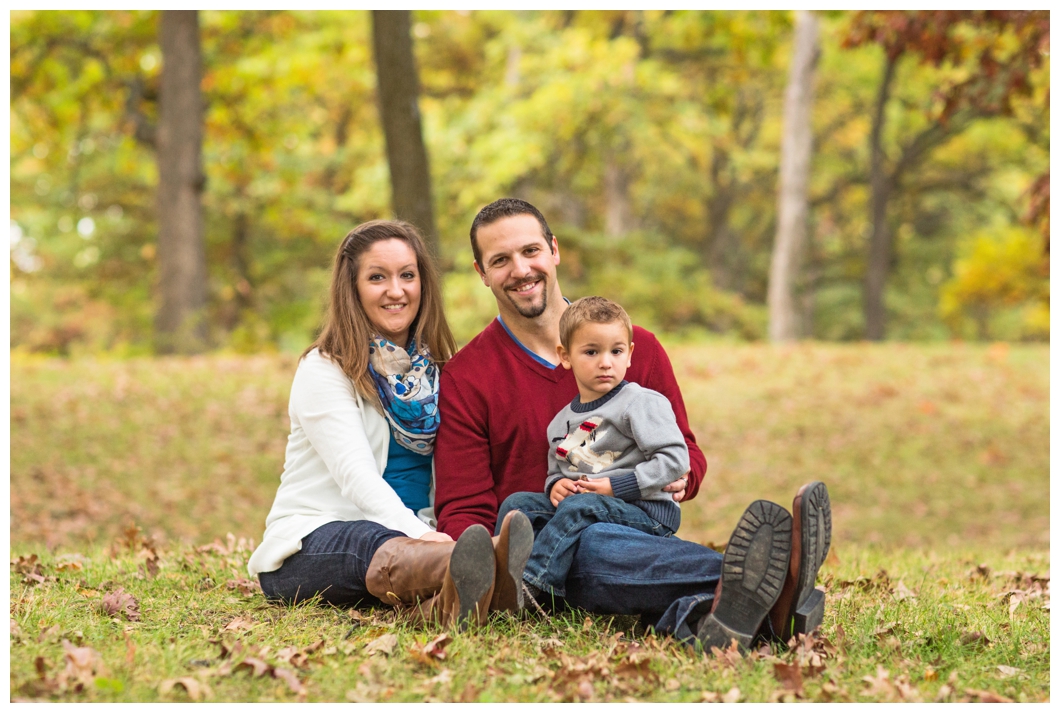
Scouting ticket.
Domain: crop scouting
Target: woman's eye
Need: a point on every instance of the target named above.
(375, 278)
(408, 275)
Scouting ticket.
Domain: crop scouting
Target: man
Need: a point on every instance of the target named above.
(496, 399)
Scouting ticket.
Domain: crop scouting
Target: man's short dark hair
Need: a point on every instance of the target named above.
(505, 208)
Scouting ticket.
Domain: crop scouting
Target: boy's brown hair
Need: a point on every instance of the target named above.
(598, 310)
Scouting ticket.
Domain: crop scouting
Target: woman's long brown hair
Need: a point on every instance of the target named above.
(347, 329)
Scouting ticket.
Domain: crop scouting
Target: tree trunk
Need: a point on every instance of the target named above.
(180, 324)
(618, 208)
(399, 89)
(793, 193)
(880, 242)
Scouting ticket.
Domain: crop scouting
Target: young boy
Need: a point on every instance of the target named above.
(612, 449)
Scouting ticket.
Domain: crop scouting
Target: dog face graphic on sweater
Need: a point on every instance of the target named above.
(575, 447)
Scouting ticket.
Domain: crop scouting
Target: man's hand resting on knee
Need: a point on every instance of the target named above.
(679, 488)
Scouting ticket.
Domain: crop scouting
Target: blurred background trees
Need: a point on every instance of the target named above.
(650, 139)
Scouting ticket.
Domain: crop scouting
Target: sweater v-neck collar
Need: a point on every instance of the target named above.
(527, 357)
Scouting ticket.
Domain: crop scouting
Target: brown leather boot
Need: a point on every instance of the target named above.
(511, 549)
(800, 607)
(445, 582)
(407, 570)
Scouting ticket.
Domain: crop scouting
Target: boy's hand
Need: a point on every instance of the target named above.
(563, 488)
(600, 486)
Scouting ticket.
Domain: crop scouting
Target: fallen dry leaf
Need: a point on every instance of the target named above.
(902, 592)
(83, 663)
(246, 587)
(257, 666)
(789, 676)
(288, 676)
(121, 602)
(1008, 671)
(240, 623)
(27, 565)
(431, 652)
(880, 684)
(52, 632)
(976, 639)
(195, 689)
(733, 696)
(383, 645)
(730, 656)
(986, 696)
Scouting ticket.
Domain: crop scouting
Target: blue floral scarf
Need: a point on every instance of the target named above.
(407, 383)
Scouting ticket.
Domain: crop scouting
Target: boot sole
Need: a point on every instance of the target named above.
(753, 571)
(520, 544)
(815, 531)
(471, 567)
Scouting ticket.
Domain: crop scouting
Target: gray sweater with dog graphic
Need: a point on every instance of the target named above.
(629, 435)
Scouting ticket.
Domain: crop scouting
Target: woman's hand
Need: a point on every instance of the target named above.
(433, 536)
(678, 488)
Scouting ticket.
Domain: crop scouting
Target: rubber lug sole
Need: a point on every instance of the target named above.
(520, 544)
(815, 532)
(753, 571)
(471, 567)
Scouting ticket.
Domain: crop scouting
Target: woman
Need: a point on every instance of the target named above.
(353, 515)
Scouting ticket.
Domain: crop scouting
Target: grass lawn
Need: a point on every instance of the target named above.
(128, 476)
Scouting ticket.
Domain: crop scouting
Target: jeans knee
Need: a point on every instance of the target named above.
(581, 502)
(524, 501)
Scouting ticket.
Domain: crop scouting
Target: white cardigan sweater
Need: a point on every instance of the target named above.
(336, 454)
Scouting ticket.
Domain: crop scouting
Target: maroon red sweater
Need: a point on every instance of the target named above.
(496, 402)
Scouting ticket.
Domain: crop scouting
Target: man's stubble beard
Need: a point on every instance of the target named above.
(533, 311)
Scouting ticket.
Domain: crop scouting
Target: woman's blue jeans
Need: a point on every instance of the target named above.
(557, 529)
(332, 563)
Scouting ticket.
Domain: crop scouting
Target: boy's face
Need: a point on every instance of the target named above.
(599, 356)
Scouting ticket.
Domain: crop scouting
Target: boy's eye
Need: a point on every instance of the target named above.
(616, 352)
(590, 352)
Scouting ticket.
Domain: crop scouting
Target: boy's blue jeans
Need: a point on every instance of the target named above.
(557, 530)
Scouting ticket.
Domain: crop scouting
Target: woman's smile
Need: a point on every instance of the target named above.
(388, 285)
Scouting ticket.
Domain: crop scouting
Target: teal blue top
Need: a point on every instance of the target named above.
(409, 474)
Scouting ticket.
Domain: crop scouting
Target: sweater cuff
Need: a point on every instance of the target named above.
(625, 487)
